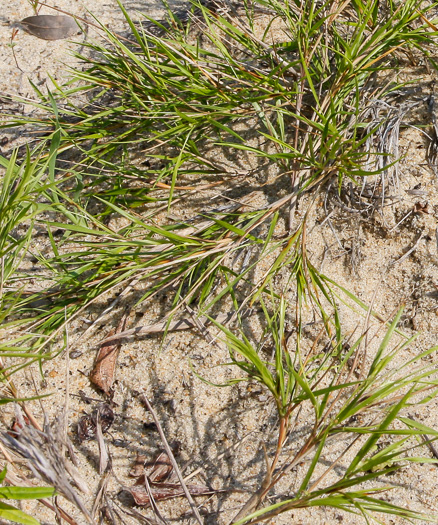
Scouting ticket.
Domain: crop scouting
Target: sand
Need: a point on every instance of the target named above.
(221, 430)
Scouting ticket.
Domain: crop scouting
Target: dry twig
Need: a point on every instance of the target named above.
(169, 452)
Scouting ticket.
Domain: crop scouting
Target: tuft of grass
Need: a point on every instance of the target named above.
(364, 412)
(299, 103)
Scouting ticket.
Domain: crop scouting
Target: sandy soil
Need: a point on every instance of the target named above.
(221, 430)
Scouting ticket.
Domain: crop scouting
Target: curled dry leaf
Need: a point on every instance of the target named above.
(50, 27)
(157, 470)
(88, 423)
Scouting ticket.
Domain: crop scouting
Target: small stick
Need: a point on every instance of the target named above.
(429, 445)
(169, 452)
(161, 326)
(406, 255)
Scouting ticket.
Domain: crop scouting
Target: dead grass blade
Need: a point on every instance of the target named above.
(44, 453)
(152, 501)
(100, 493)
(104, 458)
(164, 491)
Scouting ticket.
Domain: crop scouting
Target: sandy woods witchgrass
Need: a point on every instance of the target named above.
(171, 110)
(359, 409)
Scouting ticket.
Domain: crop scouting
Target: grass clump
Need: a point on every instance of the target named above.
(297, 107)
(269, 101)
(360, 410)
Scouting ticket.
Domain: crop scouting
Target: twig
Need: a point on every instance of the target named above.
(169, 452)
(406, 255)
(400, 221)
(163, 325)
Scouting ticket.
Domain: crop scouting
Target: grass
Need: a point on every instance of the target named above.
(338, 406)
(161, 118)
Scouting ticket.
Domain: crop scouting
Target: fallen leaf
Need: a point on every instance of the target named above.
(102, 375)
(50, 27)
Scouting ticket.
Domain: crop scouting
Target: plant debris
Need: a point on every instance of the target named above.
(50, 27)
(102, 375)
(87, 425)
(158, 474)
(45, 453)
(164, 491)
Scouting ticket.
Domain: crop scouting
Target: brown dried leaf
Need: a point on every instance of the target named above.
(50, 27)
(157, 470)
(421, 207)
(163, 491)
(102, 375)
(160, 469)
